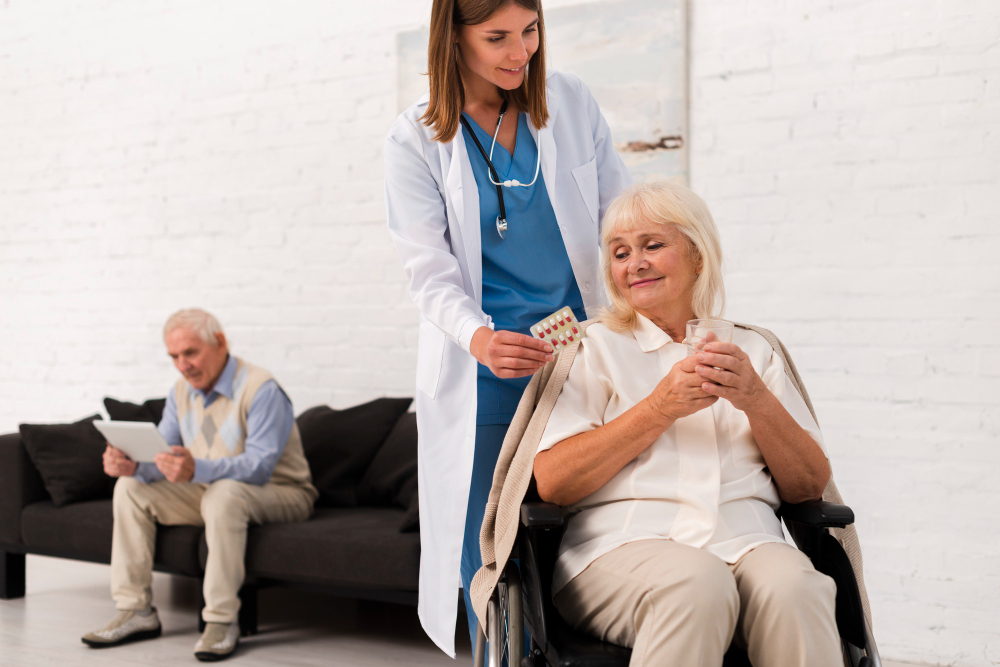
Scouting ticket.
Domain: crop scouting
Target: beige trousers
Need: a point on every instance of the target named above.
(678, 605)
(224, 508)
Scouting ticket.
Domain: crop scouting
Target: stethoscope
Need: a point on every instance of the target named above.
(494, 176)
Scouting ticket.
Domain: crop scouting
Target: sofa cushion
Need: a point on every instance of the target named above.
(20, 485)
(353, 548)
(339, 445)
(83, 530)
(68, 457)
(411, 520)
(123, 411)
(390, 479)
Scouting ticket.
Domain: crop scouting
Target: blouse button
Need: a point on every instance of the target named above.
(586, 287)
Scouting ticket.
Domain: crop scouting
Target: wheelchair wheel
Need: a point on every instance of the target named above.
(505, 621)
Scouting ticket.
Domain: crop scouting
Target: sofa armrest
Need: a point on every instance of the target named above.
(20, 485)
(818, 514)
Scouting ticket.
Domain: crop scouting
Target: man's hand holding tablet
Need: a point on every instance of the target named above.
(132, 442)
(117, 463)
(178, 466)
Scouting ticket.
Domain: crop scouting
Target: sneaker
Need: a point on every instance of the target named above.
(217, 642)
(126, 626)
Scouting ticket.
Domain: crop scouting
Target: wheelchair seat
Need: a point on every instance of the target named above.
(554, 643)
(572, 648)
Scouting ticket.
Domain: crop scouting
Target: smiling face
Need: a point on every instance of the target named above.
(654, 267)
(497, 51)
(200, 363)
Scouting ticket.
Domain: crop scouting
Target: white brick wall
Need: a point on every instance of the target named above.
(227, 153)
(851, 155)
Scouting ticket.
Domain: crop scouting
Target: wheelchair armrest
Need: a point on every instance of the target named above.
(807, 523)
(541, 515)
(818, 513)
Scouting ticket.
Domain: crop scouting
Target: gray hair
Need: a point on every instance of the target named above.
(197, 320)
(665, 203)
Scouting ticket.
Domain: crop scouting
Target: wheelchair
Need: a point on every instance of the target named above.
(523, 596)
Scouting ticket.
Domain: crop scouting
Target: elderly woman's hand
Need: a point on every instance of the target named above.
(680, 393)
(728, 373)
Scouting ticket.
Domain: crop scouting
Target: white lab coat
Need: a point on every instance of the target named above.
(432, 206)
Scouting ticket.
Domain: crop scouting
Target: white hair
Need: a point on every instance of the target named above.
(665, 203)
(197, 320)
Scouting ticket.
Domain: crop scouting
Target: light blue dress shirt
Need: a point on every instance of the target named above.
(526, 276)
(269, 424)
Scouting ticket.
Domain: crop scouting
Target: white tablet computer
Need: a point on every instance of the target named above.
(140, 440)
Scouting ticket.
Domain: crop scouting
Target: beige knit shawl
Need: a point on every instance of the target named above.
(514, 468)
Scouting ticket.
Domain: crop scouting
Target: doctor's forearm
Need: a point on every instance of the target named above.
(580, 465)
(477, 344)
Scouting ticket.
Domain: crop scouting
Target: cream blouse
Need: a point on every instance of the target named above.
(703, 482)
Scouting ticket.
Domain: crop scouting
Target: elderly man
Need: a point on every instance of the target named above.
(237, 459)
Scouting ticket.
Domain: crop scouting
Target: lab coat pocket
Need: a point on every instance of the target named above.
(430, 351)
(586, 180)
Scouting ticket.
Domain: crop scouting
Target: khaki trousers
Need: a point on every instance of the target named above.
(224, 508)
(678, 605)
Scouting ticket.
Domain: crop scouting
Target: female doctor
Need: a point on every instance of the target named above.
(495, 186)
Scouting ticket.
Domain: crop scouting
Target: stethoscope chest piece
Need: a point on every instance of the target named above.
(494, 176)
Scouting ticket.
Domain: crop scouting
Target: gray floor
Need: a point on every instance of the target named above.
(67, 598)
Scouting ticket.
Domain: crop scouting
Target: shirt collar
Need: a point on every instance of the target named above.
(649, 336)
(224, 385)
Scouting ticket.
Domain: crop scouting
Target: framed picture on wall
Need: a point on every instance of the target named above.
(632, 54)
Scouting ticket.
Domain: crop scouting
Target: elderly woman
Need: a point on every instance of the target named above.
(673, 466)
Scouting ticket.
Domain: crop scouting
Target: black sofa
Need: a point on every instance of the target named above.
(361, 542)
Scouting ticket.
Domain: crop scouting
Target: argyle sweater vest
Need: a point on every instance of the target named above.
(220, 430)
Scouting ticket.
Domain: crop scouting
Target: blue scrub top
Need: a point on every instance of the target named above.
(526, 276)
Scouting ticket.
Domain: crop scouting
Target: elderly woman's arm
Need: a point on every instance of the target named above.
(580, 465)
(798, 465)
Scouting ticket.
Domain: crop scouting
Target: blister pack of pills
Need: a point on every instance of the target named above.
(558, 329)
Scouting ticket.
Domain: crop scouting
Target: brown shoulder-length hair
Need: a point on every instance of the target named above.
(447, 93)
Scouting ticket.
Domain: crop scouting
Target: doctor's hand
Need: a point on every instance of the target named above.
(509, 354)
(177, 466)
(681, 392)
(117, 463)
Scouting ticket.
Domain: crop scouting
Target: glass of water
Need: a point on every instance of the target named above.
(701, 332)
